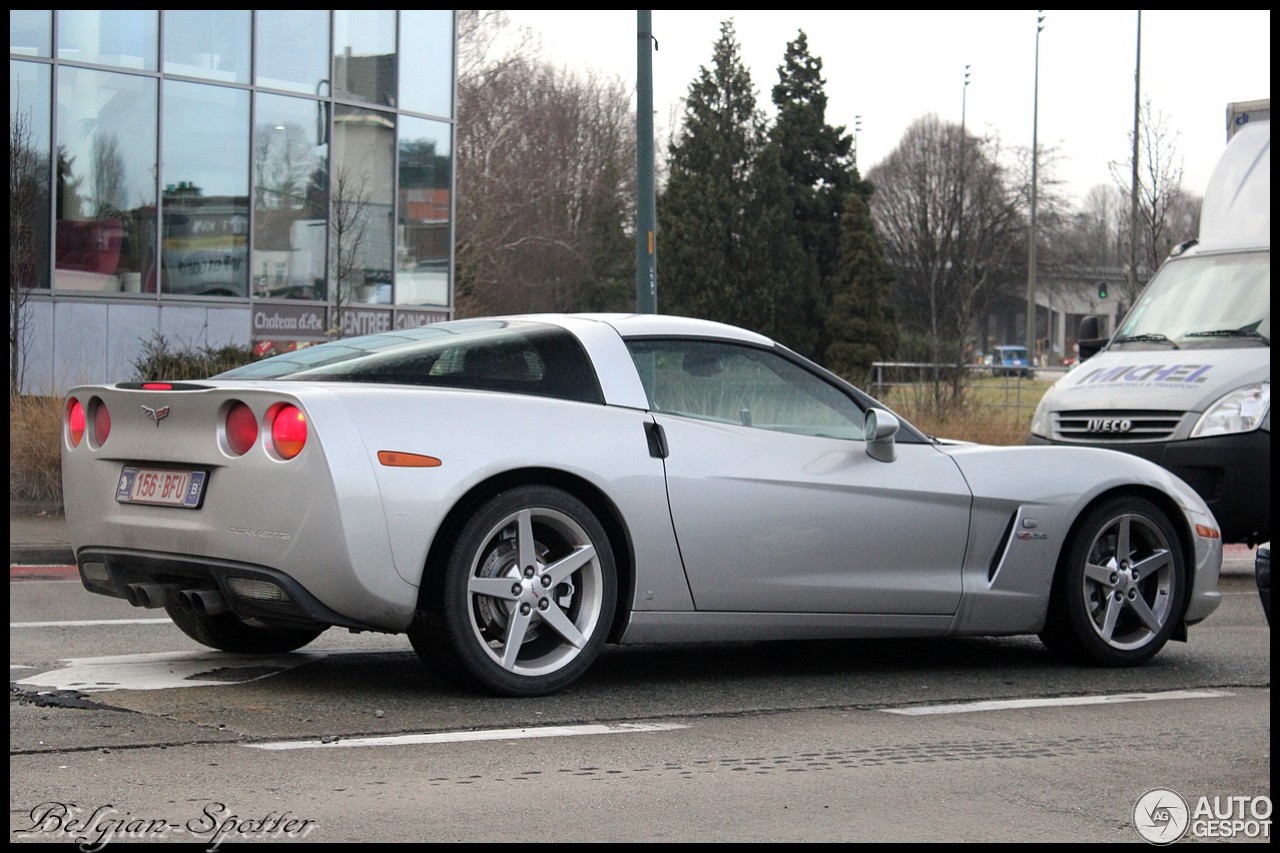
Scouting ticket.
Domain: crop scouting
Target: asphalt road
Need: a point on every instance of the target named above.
(119, 724)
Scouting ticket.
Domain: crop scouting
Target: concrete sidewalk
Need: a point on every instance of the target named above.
(40, 539)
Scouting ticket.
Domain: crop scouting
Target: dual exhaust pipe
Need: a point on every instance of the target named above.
(206, 602)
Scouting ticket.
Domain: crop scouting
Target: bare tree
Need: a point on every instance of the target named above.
(1093, 235)
(545, 164)
(349, 212)
(28, 195)
(487, 43)
(1182, 220)
(952, 242)
(283, 160)
(1159, 189)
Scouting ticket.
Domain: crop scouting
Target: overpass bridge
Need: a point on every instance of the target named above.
(1065, 295)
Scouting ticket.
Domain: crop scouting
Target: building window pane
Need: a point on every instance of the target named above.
(29, 119)
(208, 43)
(205, 217)
(361, 207)
(426, 61)
(292, 50)
(122, 37)
(30, 31)
(290, 172)
(364, 56)
(422, 238)
(106, 181)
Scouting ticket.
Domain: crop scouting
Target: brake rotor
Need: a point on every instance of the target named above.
(494, 614)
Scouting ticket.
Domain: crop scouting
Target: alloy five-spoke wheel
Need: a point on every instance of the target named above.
(526, 598)
(1120, 591)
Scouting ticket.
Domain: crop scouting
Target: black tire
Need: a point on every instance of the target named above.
(1120, 588)
(1262, 574)
(228, 633)
(523, 603)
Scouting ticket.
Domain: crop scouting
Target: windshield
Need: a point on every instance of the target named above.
(1209, 301)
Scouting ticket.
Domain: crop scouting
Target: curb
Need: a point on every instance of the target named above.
(43, 573)
(41, 555)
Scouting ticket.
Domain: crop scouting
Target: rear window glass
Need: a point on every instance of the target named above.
(519, 358)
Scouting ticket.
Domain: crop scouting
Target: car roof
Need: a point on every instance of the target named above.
(584, 326)
(654, 325)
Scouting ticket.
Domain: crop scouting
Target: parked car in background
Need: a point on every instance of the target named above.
(1011, 360)
(514, 492)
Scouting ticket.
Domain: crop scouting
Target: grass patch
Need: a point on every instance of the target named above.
(1000, 427)
(35, 450)
(992, 409)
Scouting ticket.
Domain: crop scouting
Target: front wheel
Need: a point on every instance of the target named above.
(1119, 590)
(524, 601)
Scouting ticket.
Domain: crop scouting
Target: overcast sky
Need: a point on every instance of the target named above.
(894, 67)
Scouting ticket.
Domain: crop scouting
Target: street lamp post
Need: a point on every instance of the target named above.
(1133, 181)
(1035, 157)
(646, 198)
(963, 168)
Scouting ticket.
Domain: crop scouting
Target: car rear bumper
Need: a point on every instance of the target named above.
(153, 580)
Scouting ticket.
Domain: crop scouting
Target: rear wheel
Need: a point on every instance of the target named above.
(228, 633)
(526, 597)
(1119, 592)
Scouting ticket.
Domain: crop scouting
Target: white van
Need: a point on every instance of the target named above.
(1186, 379)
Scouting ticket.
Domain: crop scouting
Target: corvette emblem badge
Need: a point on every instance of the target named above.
(156, 415)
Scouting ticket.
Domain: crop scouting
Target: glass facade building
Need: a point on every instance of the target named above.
(225, 176)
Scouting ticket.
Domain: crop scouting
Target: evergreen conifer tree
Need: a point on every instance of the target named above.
(702, 213)
(860, 326)
(818, 163)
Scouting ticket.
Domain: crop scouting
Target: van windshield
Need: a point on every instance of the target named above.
(1208, 301)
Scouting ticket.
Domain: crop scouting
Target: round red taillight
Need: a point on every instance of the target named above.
(75, 421)
(101, 422)
(241, 429)
(288, 430)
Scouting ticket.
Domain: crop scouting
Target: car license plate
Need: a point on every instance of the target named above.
(161, 487)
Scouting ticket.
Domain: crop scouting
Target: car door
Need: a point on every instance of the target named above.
(777, 506)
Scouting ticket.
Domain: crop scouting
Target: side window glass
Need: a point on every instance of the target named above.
(742, 385)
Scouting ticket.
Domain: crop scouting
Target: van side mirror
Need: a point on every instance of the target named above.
(1089, 340)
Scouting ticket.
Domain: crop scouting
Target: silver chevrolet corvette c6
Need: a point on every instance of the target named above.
(514, 492)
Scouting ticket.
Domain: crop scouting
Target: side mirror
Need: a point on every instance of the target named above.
(879, 428)
(1089, 339)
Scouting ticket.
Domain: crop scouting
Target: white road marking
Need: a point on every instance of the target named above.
(164, 671)
(463, 737)
(85, 623)
(1015, 704)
